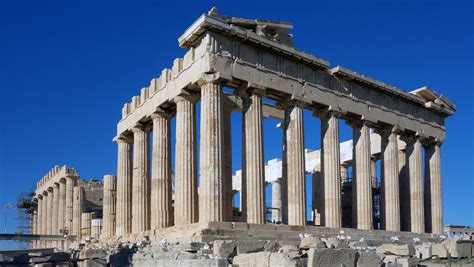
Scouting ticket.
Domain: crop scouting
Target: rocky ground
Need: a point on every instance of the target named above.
(311, 251)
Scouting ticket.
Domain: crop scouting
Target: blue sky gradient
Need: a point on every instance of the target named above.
(66, 68)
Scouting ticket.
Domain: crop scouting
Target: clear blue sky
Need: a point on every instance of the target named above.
(67, 67)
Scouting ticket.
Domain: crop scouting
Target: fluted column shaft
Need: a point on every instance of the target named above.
(109, 206)
(404, 190)
(124, 188)
(433, 189)
(255, 168)
(295, 165)
(39, 226)
(44, 216)
(86, 218)
(276, 200)
(161, 215)
(362, 178)
(186, 197)
(141, 180)
(78, 208)
(61, 205)
(211, 166)
(416, 190)
(55, 219)
(70, 183)
(331, 158)
(49, 212)
(390, 179)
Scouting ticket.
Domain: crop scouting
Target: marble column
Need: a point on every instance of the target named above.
(362, 177)
(433, 189)
(70, 183)
(227, 183)
(86, 218)
(331, 158)
(44, 216)
(61, 205)
(78, 208)
(55, 207)
(33, 227)
(255, 168)
(109, 206)
(186, 197)
(295, 164)
(141, 180)
(123, 222)
(211, 166)
(390, 196)
(404, 191)
(276, 200)
(161, 215)
(39, 224)
(49, 211)
(416, 190)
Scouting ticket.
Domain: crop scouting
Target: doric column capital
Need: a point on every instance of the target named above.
(210, 77)
(357, 123)
(161, 114)
(327, 113)
(141, 128)
(286, 103)
(431, 141)
(123, 138)
(386, 130)
(248, 88)
(193, 98)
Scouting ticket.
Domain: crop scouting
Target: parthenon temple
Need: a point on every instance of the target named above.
(252, 67)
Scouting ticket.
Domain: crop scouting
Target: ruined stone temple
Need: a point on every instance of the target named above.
(251, 66)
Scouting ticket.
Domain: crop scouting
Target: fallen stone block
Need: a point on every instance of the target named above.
(250, 246)
(439, 250)
(369, 259)
(331, 257)
(401, 250)
(92, 254)
(459, 248)
(311, 242)
(224, 248)
(423, 251)
(261, 259)
(284, 259)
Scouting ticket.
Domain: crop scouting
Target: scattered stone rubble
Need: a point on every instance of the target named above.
(311, 251)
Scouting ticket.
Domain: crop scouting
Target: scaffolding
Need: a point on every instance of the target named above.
(25, 208)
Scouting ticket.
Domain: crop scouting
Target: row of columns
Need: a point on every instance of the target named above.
(135, 196)
(54, 211)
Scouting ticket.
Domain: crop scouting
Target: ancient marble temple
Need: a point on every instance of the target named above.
(232, 65)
